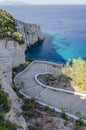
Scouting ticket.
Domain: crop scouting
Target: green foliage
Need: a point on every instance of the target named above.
(49, 77)
(8, 125)
(16, 89)
(8, 33)
(5, 107)
(63, 113)
(77, 72)
(32, 100)
(4, 102)
(8, 27)
(79, 122)
(46, 108)
(1, 118)
(52, 110)
(7, 23)
(18, 36)
(3, 128)
(64, 78)
(30, 108)
(5, 124)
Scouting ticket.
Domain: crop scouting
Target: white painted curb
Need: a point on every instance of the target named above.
(23, 71)
(56, 109)
(56, 89)
(36, 61)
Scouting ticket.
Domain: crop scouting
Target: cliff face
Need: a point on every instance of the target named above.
(13, 54)
(31, 32)
(6, 64)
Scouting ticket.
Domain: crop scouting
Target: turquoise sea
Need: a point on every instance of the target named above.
(64, 27)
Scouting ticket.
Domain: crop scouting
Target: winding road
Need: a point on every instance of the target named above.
(54, 98)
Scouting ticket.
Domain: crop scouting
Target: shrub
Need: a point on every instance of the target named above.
(79, 122)
(16, 89)
(4, 102)
(47, 108)
(77, 72)
(63, 113)
(32, 100)
(64, 78)
(2, 128)
(8, 125)
(18, 36)
(8, 27)
(7, 23)
(8, 33)
(1, 118)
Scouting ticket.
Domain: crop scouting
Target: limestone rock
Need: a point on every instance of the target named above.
(11, 55)
(0, 77)
(6, 64)
(16, 51)
(31, 32)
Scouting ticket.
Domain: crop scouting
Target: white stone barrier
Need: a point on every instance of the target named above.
(56, 109)
(23, 71)
(49, 87)
(56, 89)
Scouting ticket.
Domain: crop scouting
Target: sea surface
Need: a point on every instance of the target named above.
(64, 27)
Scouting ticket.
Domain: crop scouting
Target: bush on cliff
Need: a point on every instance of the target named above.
(77, 72)
(5, 124)
(18, 36)
(4, 102)
(4, 108)
(7, 23)
(8, 26)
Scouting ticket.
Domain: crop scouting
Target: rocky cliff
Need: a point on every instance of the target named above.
(13, 54)
(31, 32)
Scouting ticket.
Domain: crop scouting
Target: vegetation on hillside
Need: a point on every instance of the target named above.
(8, 27)
(77, 72)
(5, 107)
(5, 124)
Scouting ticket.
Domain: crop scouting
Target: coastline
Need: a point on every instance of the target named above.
(18, 76)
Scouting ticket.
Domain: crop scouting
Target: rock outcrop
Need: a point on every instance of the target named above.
(31, 32)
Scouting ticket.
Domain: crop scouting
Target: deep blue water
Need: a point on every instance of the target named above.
(65, 28)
